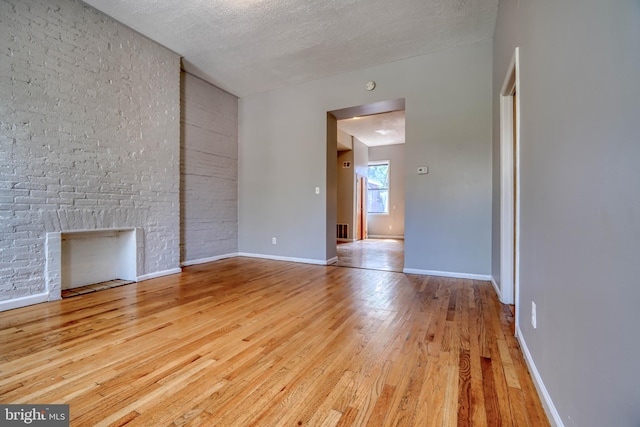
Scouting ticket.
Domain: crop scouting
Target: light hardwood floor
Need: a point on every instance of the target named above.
(374, 254)
(248, 342)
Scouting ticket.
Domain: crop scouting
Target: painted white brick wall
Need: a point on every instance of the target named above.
(209, 170)
(89, 136)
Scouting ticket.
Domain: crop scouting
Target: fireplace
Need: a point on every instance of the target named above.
(84, 257)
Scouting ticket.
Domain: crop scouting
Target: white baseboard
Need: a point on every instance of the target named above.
(384, 236)
(39, 298)
(549, 407)
(23, 301)
(158, 274)
(496, 288)
(290, 259)
(332, 260)
(205, 260)
(447, 274)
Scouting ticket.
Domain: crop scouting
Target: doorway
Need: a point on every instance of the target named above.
(363, 131)
(510, 187)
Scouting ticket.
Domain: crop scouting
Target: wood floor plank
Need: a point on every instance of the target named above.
(348, 418)
(491, 406)
(332, 400)
(257, 342)
(382, 406)
(407, 398)
(478, 413)
(464, 389)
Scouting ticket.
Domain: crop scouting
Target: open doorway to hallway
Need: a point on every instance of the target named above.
(370, 186)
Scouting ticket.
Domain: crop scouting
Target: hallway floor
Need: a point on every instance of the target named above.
(372, 254)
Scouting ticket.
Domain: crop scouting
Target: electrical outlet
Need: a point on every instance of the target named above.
(273, 241)
(534, 315)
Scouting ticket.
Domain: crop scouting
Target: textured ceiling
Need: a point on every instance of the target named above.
(250, 46)
(377, 129)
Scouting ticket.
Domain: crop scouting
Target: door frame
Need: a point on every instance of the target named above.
(510, 208)
(361, 207)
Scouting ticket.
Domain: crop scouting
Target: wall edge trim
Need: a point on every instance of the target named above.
(496, 288)
(547, 403)
(158, 274)
(284, 258)
(208, 259)
(20, 302)
(454, 275)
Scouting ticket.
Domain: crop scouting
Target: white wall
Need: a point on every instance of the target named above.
(580, 200)
(89, 137)
(448, 126)
(391, 224)
(208, 171)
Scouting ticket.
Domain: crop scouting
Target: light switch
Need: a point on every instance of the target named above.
(423, 170)
(317, 190)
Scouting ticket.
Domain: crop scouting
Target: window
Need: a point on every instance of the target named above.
(378, 188)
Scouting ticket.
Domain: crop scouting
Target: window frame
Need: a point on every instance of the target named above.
(387, 188)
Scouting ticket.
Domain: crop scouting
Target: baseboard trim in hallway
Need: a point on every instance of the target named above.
(448, 274)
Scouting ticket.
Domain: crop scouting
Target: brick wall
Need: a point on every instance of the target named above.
(209, 171)
(89, 136)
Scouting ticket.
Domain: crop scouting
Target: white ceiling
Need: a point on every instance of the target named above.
(250, 46)
(377, 129)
